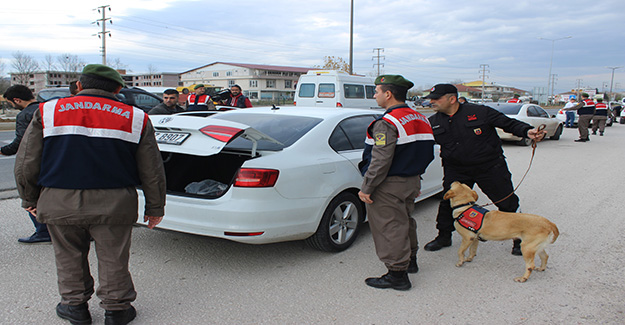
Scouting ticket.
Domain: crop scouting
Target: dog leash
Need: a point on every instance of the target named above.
(534, 142)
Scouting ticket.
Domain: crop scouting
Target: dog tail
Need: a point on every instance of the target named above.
(554, 232)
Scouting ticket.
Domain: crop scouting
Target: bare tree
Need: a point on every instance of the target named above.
(152, 69)
(71, 65)
(48, 62)
(116, 64)
(4, 82)
(24, 66)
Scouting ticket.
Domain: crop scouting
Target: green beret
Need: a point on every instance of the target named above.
(396, 80)
(198, 86)
(100, 71)
(585, 95)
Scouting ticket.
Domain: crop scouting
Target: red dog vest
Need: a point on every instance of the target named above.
(472, 218)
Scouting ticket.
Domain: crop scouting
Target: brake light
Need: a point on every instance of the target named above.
(339, 104)
(294, 103)
(251, 177)
(560, 112)
(221, 133)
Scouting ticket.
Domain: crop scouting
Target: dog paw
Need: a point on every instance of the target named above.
(468, 259)
(540, 269)
(459, 264)
(520, 279)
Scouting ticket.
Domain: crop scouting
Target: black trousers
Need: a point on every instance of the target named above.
(493, 178)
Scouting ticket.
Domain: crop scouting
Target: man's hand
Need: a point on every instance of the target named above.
(536, 135)
(365, 197)
(152, 221)
(32, 210)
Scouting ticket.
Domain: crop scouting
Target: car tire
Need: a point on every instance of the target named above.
(340, 224)
(556, 136)
(524, 142)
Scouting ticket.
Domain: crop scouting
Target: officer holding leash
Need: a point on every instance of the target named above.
(398, 149)
(471, 153)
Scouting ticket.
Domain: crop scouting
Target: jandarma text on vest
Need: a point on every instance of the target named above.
(412, 117)
(90, 105)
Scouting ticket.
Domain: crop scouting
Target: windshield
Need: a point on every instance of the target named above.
(286, 129)
(508, 109)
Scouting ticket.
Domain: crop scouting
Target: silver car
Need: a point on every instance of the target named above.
(531, 114)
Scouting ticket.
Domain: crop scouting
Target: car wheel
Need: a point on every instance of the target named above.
(556, 136)
(339, 225)
(524, 142)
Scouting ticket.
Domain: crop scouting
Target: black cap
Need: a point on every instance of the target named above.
(440, 90)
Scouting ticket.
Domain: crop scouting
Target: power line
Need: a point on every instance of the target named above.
(378, 57)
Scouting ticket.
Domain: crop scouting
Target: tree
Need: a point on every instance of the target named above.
(48, 63)
(24, 66)
(334, 63)
(4, 82)
(71, 65)
(116, 64)
(152, 69)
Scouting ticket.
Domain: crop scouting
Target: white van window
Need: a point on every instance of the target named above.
(370, 90)
(307, 90)
(326, 91)
(354, 91)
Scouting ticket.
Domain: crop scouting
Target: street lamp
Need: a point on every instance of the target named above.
(553, 42)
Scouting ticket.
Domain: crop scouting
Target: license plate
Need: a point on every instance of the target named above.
(174, 138)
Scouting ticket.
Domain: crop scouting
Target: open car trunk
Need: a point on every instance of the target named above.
(201, 176)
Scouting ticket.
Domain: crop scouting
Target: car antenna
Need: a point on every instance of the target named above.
(273, 107)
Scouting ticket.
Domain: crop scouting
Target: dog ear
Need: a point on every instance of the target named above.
(449, 195)
(474, 195)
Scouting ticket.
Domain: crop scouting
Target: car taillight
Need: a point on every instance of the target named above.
(339, 104)
(251, 177)
(560, 112)
(294, 103)
(221, 133)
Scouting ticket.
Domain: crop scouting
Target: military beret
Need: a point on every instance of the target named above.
(100, 71)
(585, 95)
(441, 90)
(198, 86)
(396, 80)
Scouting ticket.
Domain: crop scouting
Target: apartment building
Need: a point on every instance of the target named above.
(264, 82)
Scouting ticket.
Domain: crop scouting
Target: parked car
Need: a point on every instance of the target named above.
(130, 95)
(264, 175)
(531, 114)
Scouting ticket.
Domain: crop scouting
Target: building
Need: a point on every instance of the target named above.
(495, 91)
(264, 82)
(164, 79)
(44, 79)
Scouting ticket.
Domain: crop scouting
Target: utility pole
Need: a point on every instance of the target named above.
(553, 43)
(483, 71)
(553, 82)
(612, 81)
(104, 32)
(351, 40)
(378, 56)
(579, 88)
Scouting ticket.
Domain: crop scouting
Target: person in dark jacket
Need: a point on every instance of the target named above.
(237, 99)
(22, 98)
(169, 104)
(471, 153)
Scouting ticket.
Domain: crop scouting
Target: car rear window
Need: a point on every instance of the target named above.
(508, 109)
(354, 91)
(286, 129)
(326, 91)
(307, 90)
(47, 94)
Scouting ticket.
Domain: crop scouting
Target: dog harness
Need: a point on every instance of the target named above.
(472, 217)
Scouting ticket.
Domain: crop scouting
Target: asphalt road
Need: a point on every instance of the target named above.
(186, 279)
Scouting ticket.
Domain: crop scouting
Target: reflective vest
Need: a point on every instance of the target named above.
(414, 149)
(202, 102)
(601, 109)
(514, 100)
(588, 109)
(90, 142)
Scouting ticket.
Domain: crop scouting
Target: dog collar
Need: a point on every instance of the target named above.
(462, 205)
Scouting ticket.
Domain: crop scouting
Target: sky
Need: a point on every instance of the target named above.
(427, 41)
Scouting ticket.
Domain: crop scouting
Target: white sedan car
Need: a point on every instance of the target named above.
(264, 175)
(531, 114)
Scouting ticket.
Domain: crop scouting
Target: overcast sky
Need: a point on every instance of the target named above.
(426, 41)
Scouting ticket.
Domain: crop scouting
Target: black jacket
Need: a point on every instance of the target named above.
(22, 120)
(162, 109)
(469, 137)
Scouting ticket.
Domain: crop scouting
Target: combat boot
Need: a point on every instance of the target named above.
(442, 240)
(516, 247)
(397, 280)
